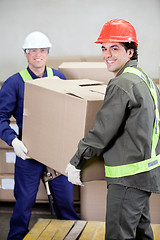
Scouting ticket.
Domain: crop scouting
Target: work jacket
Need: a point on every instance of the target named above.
(11, 103)
(123, 130)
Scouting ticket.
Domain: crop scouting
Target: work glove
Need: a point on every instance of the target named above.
(19, 148)
(73, 175)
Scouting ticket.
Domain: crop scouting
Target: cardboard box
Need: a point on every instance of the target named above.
(57, 114)
(91, 59)
(7, 161)
(55, 61)
(93, 167)
(7, 186)
(93, 201)
(155, 208)
(13, 125)
(90, 70)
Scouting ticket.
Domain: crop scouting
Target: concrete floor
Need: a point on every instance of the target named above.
(40, 210)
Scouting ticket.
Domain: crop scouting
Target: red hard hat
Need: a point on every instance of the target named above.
(117, 30)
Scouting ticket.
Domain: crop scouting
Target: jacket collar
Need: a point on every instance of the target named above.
(131, 63)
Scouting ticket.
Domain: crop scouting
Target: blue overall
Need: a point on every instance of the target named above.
(28, 172)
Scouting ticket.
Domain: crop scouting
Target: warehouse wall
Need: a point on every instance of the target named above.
(73, 26)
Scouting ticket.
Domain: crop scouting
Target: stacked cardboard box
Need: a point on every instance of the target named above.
(7, 161)
(55, 61)
(7, 155)
(91, 70)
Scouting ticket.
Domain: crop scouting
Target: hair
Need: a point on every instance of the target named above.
(133, 46)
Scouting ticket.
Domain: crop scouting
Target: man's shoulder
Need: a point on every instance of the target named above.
(58, 74)
(14, 79)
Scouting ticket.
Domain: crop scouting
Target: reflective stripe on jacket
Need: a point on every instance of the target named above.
(154, 161)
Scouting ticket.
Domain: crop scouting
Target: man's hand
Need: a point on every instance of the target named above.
(19, 148)
(73, 175)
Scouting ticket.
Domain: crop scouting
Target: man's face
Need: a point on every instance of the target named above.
(36, 57)
(115, 56)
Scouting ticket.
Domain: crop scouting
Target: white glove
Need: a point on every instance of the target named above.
(19, 148)
(73, 175)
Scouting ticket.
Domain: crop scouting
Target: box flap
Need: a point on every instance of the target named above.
(84, 88)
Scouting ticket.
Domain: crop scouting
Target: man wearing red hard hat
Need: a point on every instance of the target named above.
(126, 134)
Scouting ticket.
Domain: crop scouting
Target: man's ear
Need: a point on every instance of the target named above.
(130, 52)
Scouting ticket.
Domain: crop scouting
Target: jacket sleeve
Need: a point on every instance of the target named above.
(7, 105)
(107, 126)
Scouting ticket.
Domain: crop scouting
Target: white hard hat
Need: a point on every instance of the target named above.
(36, 40)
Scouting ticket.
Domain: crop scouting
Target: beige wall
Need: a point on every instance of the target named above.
(73, 26)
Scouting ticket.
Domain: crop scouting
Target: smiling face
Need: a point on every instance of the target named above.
(37, 58)
(115, 56)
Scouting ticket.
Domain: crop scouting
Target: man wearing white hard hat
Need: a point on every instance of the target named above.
(28, 172)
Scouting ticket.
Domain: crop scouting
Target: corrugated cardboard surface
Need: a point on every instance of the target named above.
(155, 208)
(93, 201)
(57, 114)
(7, 161)
(90, 70)
(55, 61)
(7, 186)
(14, 126)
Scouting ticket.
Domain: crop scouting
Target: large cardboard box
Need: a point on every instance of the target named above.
(93, 201)
(57, 114)
(91, 70)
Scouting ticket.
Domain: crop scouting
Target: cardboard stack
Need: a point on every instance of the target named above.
(7, 162)
(92, 70)
(56, 61)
